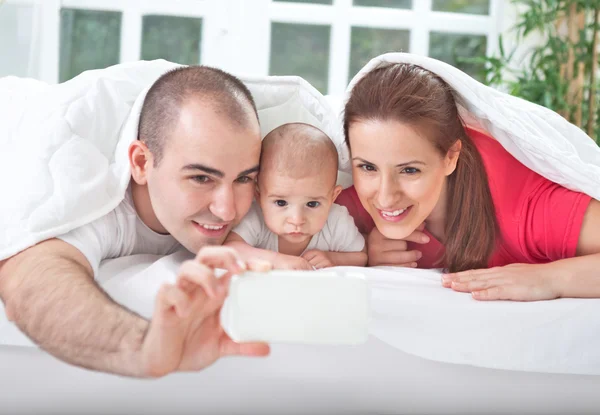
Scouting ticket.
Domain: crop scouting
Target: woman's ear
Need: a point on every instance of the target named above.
(452, 157)
(139, 160)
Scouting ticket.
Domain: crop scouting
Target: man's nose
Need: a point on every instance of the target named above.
(223, 204)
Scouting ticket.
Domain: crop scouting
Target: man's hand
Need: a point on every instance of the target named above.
(318, 259)
(517, 282)
(185, 333)
(384, 251)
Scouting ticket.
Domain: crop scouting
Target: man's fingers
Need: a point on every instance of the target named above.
(171, 298)
(221, 257)
(231, 348)
(259, 265)
(198, 274)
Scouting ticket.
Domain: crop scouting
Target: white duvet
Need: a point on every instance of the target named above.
(414, 313)
(63, 164)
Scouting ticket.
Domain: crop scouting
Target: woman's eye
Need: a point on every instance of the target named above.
(410, 170)
(281, 203)
(313, 204)
(201, 179)
(366, 167)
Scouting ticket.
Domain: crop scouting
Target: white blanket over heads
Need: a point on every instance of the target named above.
(536, 136)
(64, 162)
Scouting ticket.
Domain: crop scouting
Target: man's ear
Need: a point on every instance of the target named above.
(140, 159)
(336, 191)
(452, 157)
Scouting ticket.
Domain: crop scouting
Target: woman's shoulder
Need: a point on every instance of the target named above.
(508, 178)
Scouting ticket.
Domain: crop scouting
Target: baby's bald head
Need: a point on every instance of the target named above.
(298, 150)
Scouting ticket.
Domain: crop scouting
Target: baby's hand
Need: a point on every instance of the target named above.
(291, 262)
(318, 259)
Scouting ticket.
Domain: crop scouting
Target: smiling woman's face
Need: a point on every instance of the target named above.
(398, 174)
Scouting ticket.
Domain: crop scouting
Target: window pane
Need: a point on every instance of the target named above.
(302, 50)
(305, 1)
(16, 22)
(449, 47)
(176, 39)
(395, 4)
(367, 43)
(462, 6)
(89, 39)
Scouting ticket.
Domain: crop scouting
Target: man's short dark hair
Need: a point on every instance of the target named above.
(160, 112)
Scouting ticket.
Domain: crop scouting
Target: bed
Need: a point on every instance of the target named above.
(548, 362)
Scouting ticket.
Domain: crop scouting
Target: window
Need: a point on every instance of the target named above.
(324, 41)
(89, 39)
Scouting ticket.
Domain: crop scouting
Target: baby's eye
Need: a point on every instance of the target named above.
(313, 204)
(411, 170)
(281, 203)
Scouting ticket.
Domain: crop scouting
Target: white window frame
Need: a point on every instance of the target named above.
(342, 16)
(236, 33)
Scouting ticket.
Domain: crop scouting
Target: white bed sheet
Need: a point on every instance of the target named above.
(374, 378)
(413, 313)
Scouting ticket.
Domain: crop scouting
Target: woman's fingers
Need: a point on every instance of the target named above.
(395, 258)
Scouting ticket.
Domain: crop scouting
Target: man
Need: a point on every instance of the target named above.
(193, 171)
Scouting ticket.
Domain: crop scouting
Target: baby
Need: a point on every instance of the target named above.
(294, 223)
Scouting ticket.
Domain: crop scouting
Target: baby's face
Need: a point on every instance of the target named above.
(296, 209)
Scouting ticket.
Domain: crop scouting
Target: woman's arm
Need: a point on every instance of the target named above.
(577, 277)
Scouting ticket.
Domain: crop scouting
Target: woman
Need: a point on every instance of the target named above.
(432, 193)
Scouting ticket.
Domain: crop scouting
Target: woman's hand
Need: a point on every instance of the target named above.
(517, 282)
(384, 251)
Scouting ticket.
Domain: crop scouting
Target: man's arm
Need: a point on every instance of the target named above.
(49, 292)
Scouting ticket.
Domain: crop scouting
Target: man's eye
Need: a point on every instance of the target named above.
(281, 203)
(411, 170)
(245, 179)
(201, 179)
(312, 204)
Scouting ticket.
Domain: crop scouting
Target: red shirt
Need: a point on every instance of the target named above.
(539, 220)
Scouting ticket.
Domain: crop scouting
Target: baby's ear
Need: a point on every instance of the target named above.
(256, 192)
(336, 191)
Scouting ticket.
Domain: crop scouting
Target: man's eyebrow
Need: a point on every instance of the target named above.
(249, 171)
(205, 169)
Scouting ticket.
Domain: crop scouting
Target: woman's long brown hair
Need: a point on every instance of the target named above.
(410, 94)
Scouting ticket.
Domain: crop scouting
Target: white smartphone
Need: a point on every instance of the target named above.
(307, 307)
